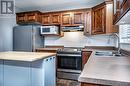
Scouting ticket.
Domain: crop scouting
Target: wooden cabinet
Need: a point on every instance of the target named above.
(28, 17)
(46, 19)
(102, 19)
(20, 18)
(85, 57)
(121, 7)
(98, 19)
(88, 22)
(66, 19)
(78, 18)
(87, 84)
(51, 18)
(73, 18)
(56, 18)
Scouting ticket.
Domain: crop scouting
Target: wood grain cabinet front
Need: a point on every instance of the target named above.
(78, 18)
(85, 57)
(56, 18)
(98, 18)
(73, 18)
(20, 18)
(66, 19)
(28, 17)
(46, 19)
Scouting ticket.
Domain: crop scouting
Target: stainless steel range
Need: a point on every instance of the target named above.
(69, 63)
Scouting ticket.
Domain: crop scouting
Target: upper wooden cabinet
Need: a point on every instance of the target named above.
(66, 19)
(73, 18)
(88, 22)
(121, 8)
(102, 19)
(98, 20)
(46, 19)
(56, 18)
(21, 18)
(78, 18)
(28, 17)
(51, 18)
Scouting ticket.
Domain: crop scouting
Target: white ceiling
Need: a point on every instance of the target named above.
(54, 5)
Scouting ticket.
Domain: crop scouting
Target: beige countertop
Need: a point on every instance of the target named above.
(24, 56)
(107, 70)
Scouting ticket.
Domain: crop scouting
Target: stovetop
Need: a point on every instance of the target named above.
(68, 50)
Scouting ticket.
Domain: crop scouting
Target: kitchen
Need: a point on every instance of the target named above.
(65, 43)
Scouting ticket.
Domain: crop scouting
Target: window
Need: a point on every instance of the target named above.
(124, 33)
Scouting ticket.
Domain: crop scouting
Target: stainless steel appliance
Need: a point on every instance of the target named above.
(69, 63)
(27, 38)
(49, 30)
(73, 28)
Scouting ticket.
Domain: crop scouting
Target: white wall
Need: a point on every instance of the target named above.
(6, 32)
(77, 39)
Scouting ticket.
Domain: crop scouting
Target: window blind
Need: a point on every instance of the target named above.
(124, 33)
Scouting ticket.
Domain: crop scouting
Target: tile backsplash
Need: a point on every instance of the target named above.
(77, 39)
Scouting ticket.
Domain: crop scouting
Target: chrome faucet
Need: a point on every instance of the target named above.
(118, 41)
(118, 53)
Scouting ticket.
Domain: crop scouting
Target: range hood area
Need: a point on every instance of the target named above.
(72, 28)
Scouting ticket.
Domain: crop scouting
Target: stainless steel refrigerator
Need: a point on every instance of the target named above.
(27, 38)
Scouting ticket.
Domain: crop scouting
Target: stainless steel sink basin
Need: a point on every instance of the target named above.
(107, 53)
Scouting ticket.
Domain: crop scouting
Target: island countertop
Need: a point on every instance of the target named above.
(24, 56)
(104, 70)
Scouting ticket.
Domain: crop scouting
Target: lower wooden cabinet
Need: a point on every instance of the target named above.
(85, 57)
(85, 84)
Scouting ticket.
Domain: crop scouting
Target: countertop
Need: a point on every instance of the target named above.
(107, 70)
(24, 56)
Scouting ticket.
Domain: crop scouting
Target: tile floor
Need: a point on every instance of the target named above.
(63, 82)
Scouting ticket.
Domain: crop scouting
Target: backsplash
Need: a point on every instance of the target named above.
(77, 39)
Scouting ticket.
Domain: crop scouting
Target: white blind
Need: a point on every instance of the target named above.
(124, 33)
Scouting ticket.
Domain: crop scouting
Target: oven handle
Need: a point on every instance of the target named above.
(69, 55)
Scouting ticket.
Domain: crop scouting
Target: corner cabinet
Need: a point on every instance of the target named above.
(121, 12)
(28, 17)
(98, 19)
(102, 19)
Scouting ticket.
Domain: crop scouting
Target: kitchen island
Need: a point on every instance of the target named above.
(27, 69)
(106, 70)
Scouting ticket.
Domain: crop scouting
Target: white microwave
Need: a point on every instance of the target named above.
(46, 30)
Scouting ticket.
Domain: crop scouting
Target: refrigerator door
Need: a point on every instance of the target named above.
(22, 38)
(38, 40)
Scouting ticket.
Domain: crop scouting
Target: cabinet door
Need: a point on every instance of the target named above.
(17, 73)
(46, 19)
(85, 84)
(85, 57)
(99, 20)
(88, 22)
(1, 73)
(66, 19)
(56, 18)
(20, 17)
(31, 17)
(78, 18)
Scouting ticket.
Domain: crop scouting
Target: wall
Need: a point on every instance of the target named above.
(77, 39)
(6, 32)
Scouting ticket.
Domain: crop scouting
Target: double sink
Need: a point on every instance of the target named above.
(107, 53)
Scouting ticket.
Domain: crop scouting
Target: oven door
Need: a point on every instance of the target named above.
(69, 62)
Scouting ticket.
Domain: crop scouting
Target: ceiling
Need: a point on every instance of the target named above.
(54, 5)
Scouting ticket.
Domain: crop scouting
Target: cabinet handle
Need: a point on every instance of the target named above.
(46, 59)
